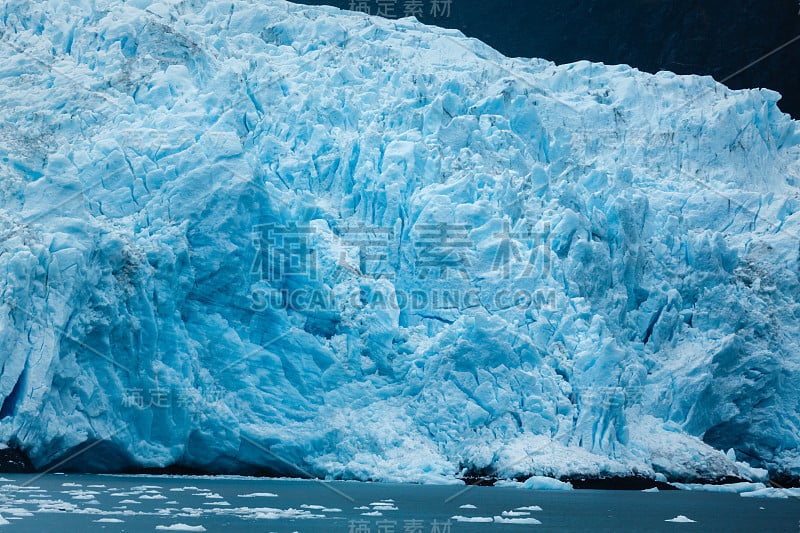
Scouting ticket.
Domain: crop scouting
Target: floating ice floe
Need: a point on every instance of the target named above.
(519, 521)
(681, 519)
(740, 488)
(320, 508)
(513, 514)
(536, 483)
(529, 508)
(772, 492)
(472, 519)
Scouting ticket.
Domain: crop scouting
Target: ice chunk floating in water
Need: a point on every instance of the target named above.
(681, 520)
(259, 237)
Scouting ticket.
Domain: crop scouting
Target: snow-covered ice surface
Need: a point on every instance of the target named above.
(569, 270)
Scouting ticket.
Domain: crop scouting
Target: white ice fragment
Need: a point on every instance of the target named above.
(529, 508)
(681, 519)
(475, 519)
(519, 521)
(180, 527)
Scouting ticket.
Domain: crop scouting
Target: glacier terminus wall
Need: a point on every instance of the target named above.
(256, 237)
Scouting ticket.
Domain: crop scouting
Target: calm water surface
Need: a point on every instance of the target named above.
(83, 503)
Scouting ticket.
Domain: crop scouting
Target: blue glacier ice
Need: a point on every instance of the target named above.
(251, 236)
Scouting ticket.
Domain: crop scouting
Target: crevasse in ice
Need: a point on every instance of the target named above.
(253, 236)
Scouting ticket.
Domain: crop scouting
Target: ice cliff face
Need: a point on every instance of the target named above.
(258, 237)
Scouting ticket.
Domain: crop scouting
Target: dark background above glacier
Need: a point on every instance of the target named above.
(709, 37)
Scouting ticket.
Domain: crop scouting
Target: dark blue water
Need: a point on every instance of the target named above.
(151, 503)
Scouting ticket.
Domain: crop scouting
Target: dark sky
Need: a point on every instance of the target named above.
(713, 37)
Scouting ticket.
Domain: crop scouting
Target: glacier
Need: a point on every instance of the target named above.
(257, 237)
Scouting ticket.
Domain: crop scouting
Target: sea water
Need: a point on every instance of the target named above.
(66, 502)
